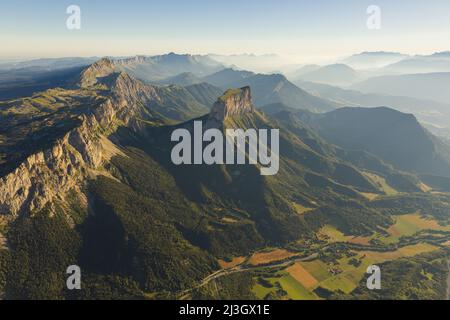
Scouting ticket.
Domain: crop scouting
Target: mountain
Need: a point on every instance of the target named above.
(440, 55)
(275, 108)
(433, 115)
(157, 68)
(204, 93)
(372, 60)
(163, 69)
(303, 70)
(182, 79)
(395, 137)
(108, 172)
(437, 62)
(225, 77)
(427, 86)
(418, 65)
(268, 89)
(256, 63)
(335, 74)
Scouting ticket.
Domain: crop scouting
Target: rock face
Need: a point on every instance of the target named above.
(101, 68)
(232, 102)
(51, 173)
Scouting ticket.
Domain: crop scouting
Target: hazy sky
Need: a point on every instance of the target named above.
(302, 30)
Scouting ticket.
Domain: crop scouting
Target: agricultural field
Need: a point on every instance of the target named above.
(232, 263)
(260, 258)
(409, 224)
(302, 276)
(300, 280)
(332, 235)
(405, 226)
(408, 251)
(283, 286)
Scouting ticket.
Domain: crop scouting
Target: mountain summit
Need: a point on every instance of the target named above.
(233, 102)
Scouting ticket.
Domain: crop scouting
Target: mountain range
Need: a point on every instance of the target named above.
(371, 60)
(428, 86)
(335, 74)
(433, 115)
(87, 178)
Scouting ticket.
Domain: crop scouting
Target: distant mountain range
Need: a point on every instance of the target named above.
(335, 74)
(437, 62)
(372, 60)
(266, 63)
(428, 86)
(434, 115)
(157, 68)
(269, 89)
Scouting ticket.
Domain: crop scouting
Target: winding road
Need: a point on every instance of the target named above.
(244, 268)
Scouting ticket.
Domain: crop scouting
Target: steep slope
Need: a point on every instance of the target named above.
(204, 93)
(393, 136)
(302, 123)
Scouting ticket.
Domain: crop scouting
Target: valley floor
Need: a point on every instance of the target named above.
(336, 267)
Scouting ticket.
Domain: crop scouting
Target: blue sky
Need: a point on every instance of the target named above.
(299, 29)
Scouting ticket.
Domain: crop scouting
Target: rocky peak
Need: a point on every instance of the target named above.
(232, 102)
(101, 68)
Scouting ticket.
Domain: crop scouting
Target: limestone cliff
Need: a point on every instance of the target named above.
(51, 173)
(232, 102)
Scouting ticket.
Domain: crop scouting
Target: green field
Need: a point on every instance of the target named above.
(294, 290)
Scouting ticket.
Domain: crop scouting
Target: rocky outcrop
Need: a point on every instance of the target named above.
(99, 69)
(51, 173)
(232, 102)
